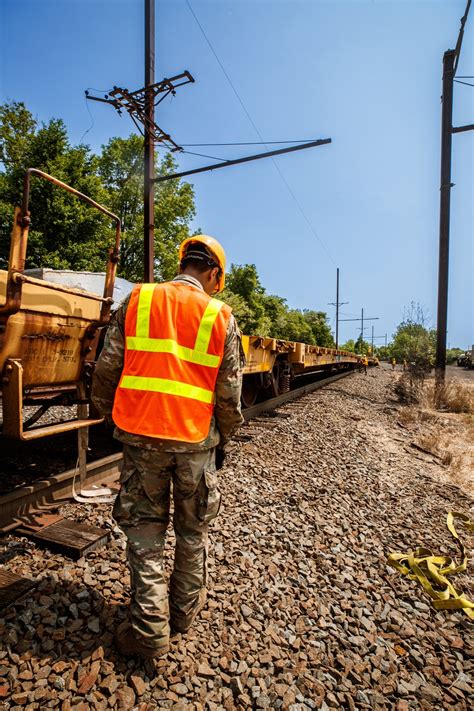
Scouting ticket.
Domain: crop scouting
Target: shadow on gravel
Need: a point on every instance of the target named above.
(66, 621)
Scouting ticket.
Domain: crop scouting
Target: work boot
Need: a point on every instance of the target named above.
(130, 645)
(182, 624)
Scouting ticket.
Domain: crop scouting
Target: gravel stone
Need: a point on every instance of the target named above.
(303, 611)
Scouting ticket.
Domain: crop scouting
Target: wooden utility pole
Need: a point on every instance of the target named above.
(149, 152)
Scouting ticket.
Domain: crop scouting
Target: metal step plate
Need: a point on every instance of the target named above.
(69, 537)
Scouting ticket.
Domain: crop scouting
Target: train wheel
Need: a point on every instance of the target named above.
(250, 388)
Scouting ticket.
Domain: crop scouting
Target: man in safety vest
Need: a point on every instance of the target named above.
(170, 377)
(365, 363)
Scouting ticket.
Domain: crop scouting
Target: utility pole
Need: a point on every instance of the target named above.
(362, 319)
(444, 213)
(337, 304)
(149, 150)
(450, 64)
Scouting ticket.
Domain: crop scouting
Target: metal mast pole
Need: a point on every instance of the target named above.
(444, 214)
(337, 309)
(372, 340)
(362, 328)
(149, 152)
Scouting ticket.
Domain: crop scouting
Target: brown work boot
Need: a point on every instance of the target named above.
(130, 645)
(183, 624)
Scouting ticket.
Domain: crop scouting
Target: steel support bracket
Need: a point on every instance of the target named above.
(12, 397)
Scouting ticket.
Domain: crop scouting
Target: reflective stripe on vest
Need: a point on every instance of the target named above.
(168, 387)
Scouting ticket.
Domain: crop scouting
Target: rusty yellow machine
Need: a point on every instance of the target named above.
(49, 333)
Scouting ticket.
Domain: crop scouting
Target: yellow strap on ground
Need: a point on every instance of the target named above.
(431, 570)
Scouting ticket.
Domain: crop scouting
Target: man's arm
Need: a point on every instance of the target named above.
(227, 412)
(110, 364)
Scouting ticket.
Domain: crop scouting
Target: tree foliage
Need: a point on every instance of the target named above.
(413, 341)
(121, 170)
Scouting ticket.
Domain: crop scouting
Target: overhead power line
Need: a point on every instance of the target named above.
(244, 108)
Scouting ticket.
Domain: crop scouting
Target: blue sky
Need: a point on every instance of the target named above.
(366, 73)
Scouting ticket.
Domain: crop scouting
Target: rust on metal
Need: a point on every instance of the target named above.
(68, 537)
(19, 506)
(49, 333)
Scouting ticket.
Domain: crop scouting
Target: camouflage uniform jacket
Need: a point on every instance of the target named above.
(227, 414)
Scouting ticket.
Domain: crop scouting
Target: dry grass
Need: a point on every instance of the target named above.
(454, 396)
(408, 415)
(444, 429)
(431, 441)
(447, 458)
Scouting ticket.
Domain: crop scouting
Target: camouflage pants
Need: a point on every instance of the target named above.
(142, 512)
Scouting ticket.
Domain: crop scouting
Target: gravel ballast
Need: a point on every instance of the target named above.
(303, 611)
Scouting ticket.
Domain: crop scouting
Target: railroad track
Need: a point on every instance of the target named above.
(21, 505)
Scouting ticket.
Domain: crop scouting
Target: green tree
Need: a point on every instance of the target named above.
(244, 281)
(413, 341)
(121, 169)
(320, 330)
(65, 232)
(452, 354)
(349, 346)
(384, 352)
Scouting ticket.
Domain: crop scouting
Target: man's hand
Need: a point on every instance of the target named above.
(220, 458)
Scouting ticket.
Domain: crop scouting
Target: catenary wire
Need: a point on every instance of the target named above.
(298, 204)
(466, 83)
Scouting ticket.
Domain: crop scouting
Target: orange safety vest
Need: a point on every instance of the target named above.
(175, 335)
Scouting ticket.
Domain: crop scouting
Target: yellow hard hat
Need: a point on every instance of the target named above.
(215, 249)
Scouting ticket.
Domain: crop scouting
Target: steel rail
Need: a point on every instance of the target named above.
(268, 405)
(19, 506)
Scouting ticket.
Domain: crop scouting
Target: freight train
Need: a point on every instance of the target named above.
(52, 325)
